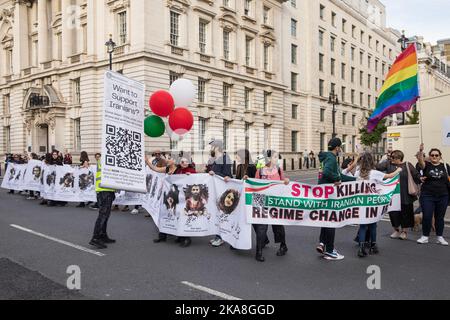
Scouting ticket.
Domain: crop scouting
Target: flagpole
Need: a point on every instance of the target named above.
(419, 102)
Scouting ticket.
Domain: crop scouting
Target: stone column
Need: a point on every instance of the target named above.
(43, 32)
(67, 29)
(20, 32)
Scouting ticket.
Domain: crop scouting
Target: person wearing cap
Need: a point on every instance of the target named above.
(222, 167)
(330, 173)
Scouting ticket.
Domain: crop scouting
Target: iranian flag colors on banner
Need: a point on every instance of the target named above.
(359, 202)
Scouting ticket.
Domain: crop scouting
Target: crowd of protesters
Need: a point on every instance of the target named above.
(428, 181)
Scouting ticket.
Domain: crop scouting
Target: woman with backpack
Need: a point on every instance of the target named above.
(271, 171)
(435, 194)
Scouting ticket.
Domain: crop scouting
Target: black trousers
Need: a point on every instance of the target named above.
(261, 234)
(327, 238)
(104, 200)
(404, 218)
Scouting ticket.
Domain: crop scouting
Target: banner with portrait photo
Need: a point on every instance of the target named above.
(32, 176)
(85, 183)
(13, 179)
(153, 198)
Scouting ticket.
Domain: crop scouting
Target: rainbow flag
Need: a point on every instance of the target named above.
(400, 90)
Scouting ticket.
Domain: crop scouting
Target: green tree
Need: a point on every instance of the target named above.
(413, 118)
(375, 137)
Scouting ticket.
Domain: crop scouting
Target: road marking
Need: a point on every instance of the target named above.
(59, 241)
(210, 291)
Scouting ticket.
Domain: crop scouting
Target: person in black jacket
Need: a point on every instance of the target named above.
(56, 160)
(222, 167)
(401, 220)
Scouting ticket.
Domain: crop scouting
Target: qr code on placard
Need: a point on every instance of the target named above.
(123, 148)
(259, 200)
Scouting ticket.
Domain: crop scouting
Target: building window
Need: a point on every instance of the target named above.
(226, 45)
(201, 90)
(384, 50)
(369, 101)
(362, 37)
(344, 118)
(247, 94)
(361, 99)
(353, 96)
(352, 53)
(322, 115)
(322, 12)
(293, 27)
(174, 24)
(122, 27)
(332, 43)
(354, 32)
(369, 80)
(376, 84)
(322, 141)
(202, 32)
(333, 19)
(332, 66)
(344, 25)
(343, 49)
(248, 50)
(247, 135)
(226, 134)
(321, 88)
(201, 133)
(247, 7)
(370, 41)
(361, 76)
(353, 144)
(267, 137)
(7, 139)
(293, 81)
(294, 3)
(266, 16)
(173, 77)
(343, 89)
(343, 71)
(226, 94)
(344, 143)
(352, 75)
(377, 45)
(377, 62)
(321, 56)
(266, 57)
(6, 104)
(266, 102)
(76, 91)
(333, 88)
(294, 54)
(369, 62)
(361, 57)
(353, 120)
(226, 3)
(321, 38)
(294, 141)
(390, 54)
(173, 144)
(294, 114)
(77, 134)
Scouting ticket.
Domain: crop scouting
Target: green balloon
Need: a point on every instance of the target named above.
(154, 127)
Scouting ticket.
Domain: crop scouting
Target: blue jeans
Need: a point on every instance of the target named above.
(436, 205)
(373, 232)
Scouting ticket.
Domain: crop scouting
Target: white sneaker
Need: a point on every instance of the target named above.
(217, 243)
(395, 235)
(134, 211)
(212, 241)
(333, 256)
(441, 240)
(423, 240)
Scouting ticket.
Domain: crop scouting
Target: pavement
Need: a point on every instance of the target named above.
(35, 266)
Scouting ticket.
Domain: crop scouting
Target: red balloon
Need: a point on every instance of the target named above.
(181, 121)
(162, 103)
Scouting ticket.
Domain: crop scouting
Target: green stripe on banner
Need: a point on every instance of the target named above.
(330, 204)
(255, 183)
(249, 199)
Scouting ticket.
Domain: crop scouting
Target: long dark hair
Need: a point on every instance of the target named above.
(84, 157)
(246, 157)
(366, 164)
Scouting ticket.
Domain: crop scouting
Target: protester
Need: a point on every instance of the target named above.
(33, 195)
(173, 169)
(366, 171)
(222, 167)
(435, 195)
(67, 158)
(401, 220)
(105, 199)
(306, 159)
(312, 159)
(84, 163)
(272, 171)
(330, 174)
(16, 160)
(56, 160)
(47, 160)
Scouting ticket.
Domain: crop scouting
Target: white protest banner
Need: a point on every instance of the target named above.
(446, 131)
(65, 189)
(13, 179)
(49, 180)
(32, 177)
(230, 220)
(123, 165)
(85, 183)
(152, 200)
(359, 202)
(126, 198)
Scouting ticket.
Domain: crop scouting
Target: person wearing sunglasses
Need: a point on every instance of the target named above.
(435, 194)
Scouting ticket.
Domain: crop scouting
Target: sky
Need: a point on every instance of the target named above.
(427, 18)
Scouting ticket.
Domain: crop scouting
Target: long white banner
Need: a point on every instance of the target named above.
(123, 163)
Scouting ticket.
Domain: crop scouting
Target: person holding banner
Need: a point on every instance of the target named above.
(435, 195)
(366, 171)
(272, 171)
(173, 169)
(98, 157)
(84, 163)
(56, 160)
(105, 199)
(33, 195)
(330, 173)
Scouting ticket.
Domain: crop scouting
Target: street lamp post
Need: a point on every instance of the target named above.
(334, 100)
(111, 46)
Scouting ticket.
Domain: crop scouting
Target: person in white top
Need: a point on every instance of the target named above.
(366, 171)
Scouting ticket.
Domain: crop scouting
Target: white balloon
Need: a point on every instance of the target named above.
(172, 135)
(183, 92)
